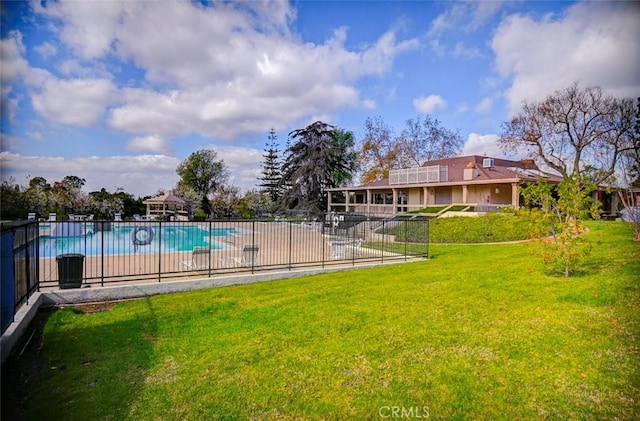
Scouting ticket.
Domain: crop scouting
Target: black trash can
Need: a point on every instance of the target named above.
(70, 270)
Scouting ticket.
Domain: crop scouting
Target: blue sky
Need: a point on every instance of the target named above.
(119, 93)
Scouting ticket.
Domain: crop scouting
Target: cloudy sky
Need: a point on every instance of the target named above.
(120, 92)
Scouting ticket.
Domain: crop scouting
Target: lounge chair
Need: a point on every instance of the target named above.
(249, 257)
(31, 216)
(344, 249)
(52, 217)
(117, 217)
(200, 259)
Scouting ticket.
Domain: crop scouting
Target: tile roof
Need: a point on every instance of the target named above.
(502, 169)
(167, 197)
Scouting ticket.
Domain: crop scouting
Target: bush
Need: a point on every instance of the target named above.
(492, 227)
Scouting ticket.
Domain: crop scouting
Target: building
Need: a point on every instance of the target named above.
(168, 205)
(482, 182)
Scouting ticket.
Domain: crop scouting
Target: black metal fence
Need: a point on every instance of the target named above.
(19, 267)
(81, 253)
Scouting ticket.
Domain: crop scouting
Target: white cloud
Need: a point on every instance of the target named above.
(7, 143)
(11, 52)
(369, 104)
(460, 50)
(13, 66)
(88, 27)
(35, 135)
(46, 49)
(141, 175)
(151, 143)
(484, 106)
(202, 80)
(478, 144)
(429, 104)
(78, 102)
(245, 164)
(465, 16)
(594, 43)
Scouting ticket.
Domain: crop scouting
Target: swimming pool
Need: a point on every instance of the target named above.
(119, 240)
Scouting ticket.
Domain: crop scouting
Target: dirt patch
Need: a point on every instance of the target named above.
(94, 307)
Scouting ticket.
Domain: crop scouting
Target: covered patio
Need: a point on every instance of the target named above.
(168, 205)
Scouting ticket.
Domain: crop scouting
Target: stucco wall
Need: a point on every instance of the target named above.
(415, 197)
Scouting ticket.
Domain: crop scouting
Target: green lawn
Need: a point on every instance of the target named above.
(476, 332)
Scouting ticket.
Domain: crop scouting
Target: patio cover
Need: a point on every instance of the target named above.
(167, 203)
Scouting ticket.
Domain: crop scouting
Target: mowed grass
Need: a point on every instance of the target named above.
(476, 332)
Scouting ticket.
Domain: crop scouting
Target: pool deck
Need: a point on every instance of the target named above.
(282, 246)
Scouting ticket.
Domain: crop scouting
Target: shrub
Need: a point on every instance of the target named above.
(492, 227)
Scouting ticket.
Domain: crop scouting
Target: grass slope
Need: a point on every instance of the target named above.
(476, 332)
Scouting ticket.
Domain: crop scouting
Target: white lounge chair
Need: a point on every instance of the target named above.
(31, 216)
(52, 217)
(249, 257)
(344, 249)
(117, 217)
(200, 259)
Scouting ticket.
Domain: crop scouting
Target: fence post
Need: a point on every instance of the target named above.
(383, 237)
(159, 251)
(253, 242)
(322, 240)
(102, 227)
(406, 229)
(8, 280)
(290, 258)
(37, 246)
(209, 242)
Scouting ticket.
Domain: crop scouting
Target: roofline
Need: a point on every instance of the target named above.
(453, 183)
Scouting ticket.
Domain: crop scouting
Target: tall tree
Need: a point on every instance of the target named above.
(39, 196)
(271, 172)
(14, 203)
(203, 173)
(378, 152)
(574, 131)
(104, 204)
(67, 195)
(631, 159)
(316, 160)
(629, 179)
(424, 139)
(344, 144)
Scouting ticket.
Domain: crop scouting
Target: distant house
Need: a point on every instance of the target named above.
(482, 182)
(168, 205)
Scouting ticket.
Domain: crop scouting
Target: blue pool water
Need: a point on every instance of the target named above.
(119, 240)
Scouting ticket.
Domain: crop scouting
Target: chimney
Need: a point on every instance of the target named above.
(470, 172)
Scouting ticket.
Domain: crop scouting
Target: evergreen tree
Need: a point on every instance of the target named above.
(321, 157)
(271, 172)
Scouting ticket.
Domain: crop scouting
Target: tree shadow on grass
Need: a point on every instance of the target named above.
(88, 372)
